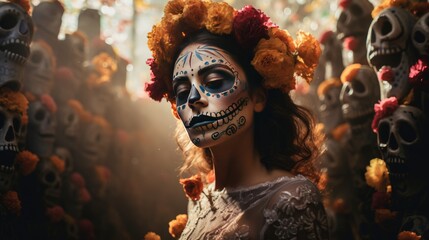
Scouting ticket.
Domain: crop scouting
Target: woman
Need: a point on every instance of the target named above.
(228, 75)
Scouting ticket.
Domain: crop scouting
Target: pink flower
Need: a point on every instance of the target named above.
(419, 74)
(385, 108)
(77, 180)
(251, 25)
(84, 195)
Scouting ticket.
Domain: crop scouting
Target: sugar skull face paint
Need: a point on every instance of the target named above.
(212, 96)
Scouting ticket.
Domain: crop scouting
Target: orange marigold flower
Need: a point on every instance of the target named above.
(176, 226)
(308, 55)
(284, 36)
(377, 175)
(58, 163)
(407, 235)
(174, 7)
(152, 236)
(11, 202)
(26, 162)
(55, 213)
(194, 14)
(220, 18)
(193, 187)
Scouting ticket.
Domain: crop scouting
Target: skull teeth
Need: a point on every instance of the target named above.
(15, 57)
(6, 169)
(395, 160)
(9, 147)
(383, 51)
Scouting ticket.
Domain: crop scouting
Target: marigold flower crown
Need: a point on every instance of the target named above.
(278, 58)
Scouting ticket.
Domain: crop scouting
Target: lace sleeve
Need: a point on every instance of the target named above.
(295, 212)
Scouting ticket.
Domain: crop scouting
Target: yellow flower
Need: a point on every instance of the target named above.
(152, 236)
(220, 17)
(377, 175)
(177, 225)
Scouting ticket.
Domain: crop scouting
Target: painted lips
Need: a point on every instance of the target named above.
(217, 119)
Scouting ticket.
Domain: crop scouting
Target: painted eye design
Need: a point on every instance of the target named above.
(181, 91)
(219, 81)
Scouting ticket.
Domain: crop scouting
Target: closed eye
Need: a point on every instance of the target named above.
(181, 88)
(219, 80)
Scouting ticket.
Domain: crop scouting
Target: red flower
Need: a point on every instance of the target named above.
(192, 186)
(385, 108)
(251, 25)
(156, 88)
(55, 213)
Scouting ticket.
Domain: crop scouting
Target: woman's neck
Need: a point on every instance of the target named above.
(237, 163)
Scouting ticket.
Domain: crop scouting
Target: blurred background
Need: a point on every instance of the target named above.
(107, 161)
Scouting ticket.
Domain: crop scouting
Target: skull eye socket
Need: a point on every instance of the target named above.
(406, 132)
(419, 37)
(8, 21)
(342, 18)
(358, 86)
(356, 10)
(383, 132)
(50, 177)
(386, 26)
(40, 115)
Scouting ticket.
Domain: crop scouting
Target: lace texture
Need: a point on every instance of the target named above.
(286, 208)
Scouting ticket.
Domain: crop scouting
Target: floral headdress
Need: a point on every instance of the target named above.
(277, 57)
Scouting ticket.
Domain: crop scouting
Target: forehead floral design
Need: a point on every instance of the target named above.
(277, 57)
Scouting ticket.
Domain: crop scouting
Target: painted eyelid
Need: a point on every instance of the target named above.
(220, 75)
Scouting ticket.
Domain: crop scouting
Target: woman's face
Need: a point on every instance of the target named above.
(212, 95)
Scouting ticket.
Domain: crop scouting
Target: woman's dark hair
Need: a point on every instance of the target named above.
(284, 131)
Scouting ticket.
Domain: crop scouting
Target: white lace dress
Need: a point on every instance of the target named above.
(286, 208)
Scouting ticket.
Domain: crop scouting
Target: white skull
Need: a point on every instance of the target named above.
(402, 140)
(39, 70)
(67, 126)
(359, 95)
(16, 33)
(390, 50)
(10, 124)
(353, 23)
(51, 183)
(41, 129)
(330, 108)
(420, 35)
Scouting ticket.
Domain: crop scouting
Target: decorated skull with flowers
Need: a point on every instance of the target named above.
(277, 57)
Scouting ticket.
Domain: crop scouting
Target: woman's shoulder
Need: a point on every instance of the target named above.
(296, 209)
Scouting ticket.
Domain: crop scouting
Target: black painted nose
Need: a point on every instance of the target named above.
(194, 95)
